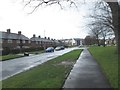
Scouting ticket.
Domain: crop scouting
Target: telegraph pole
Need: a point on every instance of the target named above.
(44, 33)
(45, 42)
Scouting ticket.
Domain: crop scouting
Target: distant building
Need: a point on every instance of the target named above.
(73, 42)
(41, 42)
(111, 41)
(79, 41)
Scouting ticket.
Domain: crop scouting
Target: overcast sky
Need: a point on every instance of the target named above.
(48, 21)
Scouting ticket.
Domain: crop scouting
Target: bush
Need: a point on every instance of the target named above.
(16, 51)
(6, 51)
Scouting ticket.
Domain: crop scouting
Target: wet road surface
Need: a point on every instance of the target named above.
(15, 66)
(86, 73)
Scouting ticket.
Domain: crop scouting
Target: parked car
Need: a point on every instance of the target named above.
(62, 47)
(49, 49)
(59, 48)
(26, 54)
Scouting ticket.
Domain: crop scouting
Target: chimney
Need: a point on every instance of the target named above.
(34, 35)
(8, 30)
(39, 36)
(19, 32)
(48, 38)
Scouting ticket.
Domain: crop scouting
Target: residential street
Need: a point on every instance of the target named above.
(14, 66)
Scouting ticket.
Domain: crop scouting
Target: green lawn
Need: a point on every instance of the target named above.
(10, 56)
(108, 60)
(13, 56)
(37, 52)
(51, 74)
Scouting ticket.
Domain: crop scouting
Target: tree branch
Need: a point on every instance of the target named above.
(49, 2)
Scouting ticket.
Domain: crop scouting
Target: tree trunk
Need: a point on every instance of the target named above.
(98, 43)
(104, 42)
(115, 8)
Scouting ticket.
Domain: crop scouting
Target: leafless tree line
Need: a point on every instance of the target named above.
(113, 5)
(101, 25)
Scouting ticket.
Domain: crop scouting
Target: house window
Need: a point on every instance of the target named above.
(23, 41)
(36, 42)
(1, 41)
(40, 42)
(18, 41)
(29, 41)
(9, 41)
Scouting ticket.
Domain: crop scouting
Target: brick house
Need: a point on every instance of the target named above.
(37, 42)
(110, 41)
(17, 41)
(13, 40)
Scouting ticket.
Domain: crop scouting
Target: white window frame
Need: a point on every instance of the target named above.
(9, 41)
(1, 41)
(18, 41)
(36, 42)
(29, 41)
(23, 41)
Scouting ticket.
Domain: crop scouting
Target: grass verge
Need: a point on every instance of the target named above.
(37, 52)
(107, 58)
(51, 74)
(13, 56)
(10, 56)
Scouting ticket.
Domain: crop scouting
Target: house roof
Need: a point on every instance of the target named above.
(78, 39)
(5, 35)
(40, 39)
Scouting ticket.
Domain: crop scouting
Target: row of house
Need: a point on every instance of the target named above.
(111, 41)
(18, 40)
(90, 40)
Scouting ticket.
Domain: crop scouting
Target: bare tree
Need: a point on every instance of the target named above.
(94, 31)
(100, 31)
(113, 4)
(101, 24)
(90, 40)
(105, 32)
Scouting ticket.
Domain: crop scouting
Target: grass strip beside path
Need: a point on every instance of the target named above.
(107, 58)
(10, 56)
(37, 52)
(50, 74)
(13, 56)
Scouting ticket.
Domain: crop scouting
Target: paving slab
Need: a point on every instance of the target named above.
(86, 73)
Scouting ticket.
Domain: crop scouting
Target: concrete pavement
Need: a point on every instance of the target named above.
(86, 73)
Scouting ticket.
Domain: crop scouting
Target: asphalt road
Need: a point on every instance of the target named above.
(15, 66)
